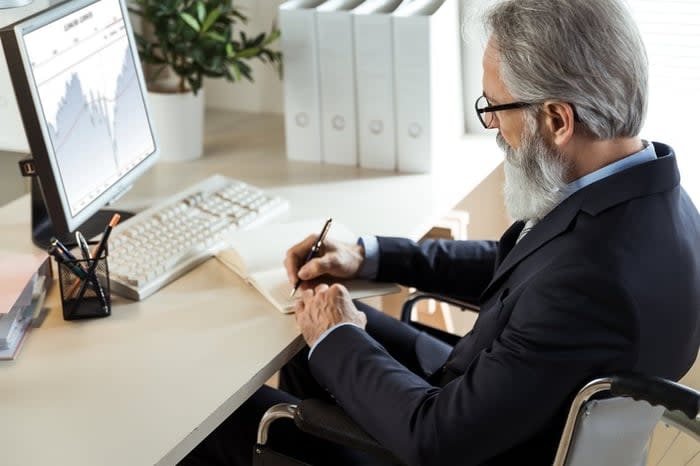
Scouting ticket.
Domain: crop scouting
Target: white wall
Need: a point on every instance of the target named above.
(671, 31)
(265, 94)
(11, 130)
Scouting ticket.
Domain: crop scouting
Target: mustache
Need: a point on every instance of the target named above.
(507, 150)
(501, 142)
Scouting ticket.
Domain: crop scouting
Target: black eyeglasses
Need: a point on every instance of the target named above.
(484, 109)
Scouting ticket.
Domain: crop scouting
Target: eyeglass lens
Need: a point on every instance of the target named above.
(486, 118)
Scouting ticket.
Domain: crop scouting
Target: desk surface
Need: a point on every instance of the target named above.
(145, 385)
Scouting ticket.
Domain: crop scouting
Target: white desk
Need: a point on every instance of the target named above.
(147, 384)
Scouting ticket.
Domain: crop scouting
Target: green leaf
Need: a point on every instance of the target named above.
(249, 52)
(258, 40)
(211, 19)
(239, 15)
(272, 36)
(198, 56)
(235, 71)
(189, 19)
(244, 69)
(216, 37)
(195, 38)
(201, 11)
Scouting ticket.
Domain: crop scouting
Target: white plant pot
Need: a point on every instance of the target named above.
(179, 123)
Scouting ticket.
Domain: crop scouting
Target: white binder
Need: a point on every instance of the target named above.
(337, 80)
(375, 83)
(427, 76)
(302, 109)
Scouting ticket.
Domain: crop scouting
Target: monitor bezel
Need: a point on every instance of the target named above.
(35, 126)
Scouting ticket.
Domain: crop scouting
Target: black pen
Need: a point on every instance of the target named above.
(99, 250)
(90, 276)
(70, 262)
(313, 251)
(66, 252)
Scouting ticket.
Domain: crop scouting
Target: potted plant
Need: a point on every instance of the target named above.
(181, 43)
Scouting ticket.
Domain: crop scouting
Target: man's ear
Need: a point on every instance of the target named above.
(558, 122)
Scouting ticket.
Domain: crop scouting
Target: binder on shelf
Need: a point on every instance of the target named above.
(375, 83)
(337, 81)
(302, 109)
(427, 77)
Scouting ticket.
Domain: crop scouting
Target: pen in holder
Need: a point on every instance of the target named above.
(85, 287)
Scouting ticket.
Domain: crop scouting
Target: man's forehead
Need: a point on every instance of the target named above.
(491, 51)
(493, 88)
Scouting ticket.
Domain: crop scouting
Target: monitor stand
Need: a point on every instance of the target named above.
(43, 230)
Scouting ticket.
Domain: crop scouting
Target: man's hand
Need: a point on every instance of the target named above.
(322, 308)
(337, 259)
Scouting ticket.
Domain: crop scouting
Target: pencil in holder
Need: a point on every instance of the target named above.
(85, 288)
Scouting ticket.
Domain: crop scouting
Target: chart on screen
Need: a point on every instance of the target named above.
(85, 107)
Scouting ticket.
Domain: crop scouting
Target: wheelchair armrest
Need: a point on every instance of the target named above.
(323, 420)
(442, 335)
(657, 391)
(674, 397)
(330, 422)
(413, 299)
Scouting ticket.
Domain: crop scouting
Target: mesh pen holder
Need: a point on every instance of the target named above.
(85, 295)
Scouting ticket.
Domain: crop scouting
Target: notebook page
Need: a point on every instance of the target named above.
(264, 248)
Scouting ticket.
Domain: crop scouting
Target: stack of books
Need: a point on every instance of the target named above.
(16, 321)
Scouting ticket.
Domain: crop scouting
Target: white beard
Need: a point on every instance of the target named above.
(535, 176)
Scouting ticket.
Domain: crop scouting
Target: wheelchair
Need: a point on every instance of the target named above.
(610, 420)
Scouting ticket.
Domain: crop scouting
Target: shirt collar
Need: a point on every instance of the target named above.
(645, 155)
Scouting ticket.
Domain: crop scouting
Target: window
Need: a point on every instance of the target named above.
(671, 32)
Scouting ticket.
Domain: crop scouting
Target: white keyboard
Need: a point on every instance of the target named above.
(160, 244)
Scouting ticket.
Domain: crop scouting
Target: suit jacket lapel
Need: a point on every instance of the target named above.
(507, 241)
(544, 231)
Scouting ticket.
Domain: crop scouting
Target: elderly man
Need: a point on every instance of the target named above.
(598, 275)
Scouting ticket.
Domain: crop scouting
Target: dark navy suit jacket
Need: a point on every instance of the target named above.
(607, 282)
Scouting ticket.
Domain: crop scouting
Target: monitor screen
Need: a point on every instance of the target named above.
(81, 94)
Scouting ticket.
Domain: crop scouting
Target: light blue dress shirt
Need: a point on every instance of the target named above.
(370, 266)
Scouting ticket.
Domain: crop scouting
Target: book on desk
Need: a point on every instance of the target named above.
(17, 320)
(257, 257)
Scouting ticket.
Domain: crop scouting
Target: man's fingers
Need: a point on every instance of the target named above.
(311, 269)
(318, 266)
(298, 306)
(321, 288)
(306, 296)
(291, 267)
(294, 259)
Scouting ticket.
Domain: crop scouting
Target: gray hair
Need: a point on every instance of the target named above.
(588, 53)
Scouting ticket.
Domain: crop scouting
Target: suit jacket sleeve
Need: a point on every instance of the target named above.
(461, 269)
(564, 326)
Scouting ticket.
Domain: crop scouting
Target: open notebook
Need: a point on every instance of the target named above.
(257, 256)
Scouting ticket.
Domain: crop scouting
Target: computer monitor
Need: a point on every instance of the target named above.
(80, 90)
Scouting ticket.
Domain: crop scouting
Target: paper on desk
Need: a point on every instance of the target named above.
(257, 256)
(16, 270)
